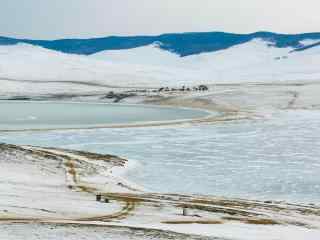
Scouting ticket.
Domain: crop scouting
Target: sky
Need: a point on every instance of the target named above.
(52, 19)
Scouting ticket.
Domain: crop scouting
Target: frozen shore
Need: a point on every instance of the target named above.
(51, 189)
(249, 97)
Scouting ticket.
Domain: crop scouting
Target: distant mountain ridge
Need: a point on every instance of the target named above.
(182, 44)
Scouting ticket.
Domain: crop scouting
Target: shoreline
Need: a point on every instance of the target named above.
(162, 211)
(208, 118)
(225, 218)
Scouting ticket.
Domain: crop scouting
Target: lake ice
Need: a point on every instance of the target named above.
(275, 158)
(17, 115)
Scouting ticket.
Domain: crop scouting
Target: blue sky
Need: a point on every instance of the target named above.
(50, 19)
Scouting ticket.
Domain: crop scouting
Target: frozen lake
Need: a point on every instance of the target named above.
(276, 158)
(61, 115)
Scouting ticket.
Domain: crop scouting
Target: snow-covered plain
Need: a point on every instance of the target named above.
(255, 61)
(76, 232)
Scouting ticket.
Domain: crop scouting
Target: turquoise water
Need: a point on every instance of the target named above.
(59, 115)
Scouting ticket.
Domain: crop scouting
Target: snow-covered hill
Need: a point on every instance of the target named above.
(254, 61)
(182, 44)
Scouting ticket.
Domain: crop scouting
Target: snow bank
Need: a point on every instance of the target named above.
(150, 66)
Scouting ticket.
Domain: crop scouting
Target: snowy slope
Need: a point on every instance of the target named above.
(251, 62)
(254, 61)
(147, 55)
(26, 62)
